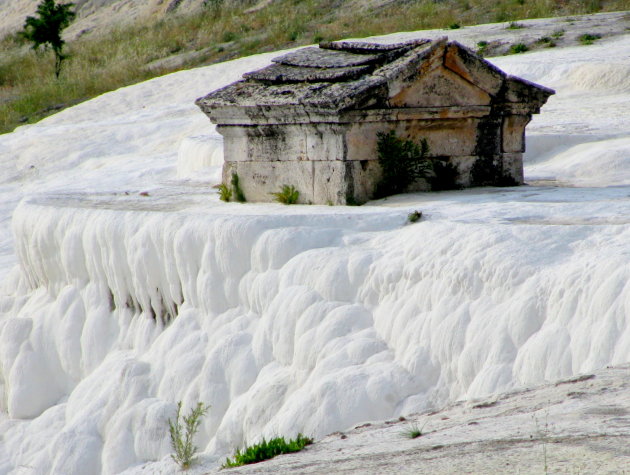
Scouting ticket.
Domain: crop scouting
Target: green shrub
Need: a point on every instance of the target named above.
(414, 217)
(182, 434)
(288, 195)
(518, 48)
(237, 190)
(454, 26)
(225, 193)
(481, 47)
(557, 34)
(266, 450)
(515, 26)
(402, 162)
(445, 176)
(588, 39)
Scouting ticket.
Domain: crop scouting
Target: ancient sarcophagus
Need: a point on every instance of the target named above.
(312, 118)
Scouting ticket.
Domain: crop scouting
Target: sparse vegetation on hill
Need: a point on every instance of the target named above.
(100, 61)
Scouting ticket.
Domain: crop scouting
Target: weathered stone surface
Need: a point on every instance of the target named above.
(526, 92)
(367, 48)
(291, 142)
(440, 88)
(280, 73)
(513, 132)
(259, 180)
(512, 167)
(445, 137)
(474, 69)
(324, 58)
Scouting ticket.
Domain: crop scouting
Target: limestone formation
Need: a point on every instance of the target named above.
(311, 118)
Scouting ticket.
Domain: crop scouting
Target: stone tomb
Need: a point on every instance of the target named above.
(311, 118)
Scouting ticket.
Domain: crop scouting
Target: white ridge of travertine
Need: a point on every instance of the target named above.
(128, 286)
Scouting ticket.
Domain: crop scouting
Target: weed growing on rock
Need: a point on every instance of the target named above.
(481, 47)
(515, 26)
(266, 450)
(237, 190)
(402, 161)
(288, 195)
(518, 48)
(414, 217)
(557, 34)
(225, 193)
(413, 431)
(182, 432)
(588, 39)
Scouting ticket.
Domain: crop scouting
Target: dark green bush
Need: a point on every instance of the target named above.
(518, 48)
(236, 188)
(266, 450)
(402, 161)
(588, 39)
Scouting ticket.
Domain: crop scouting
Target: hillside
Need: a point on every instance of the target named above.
(117, 43)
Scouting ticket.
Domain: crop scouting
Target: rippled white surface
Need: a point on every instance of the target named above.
(305, 318)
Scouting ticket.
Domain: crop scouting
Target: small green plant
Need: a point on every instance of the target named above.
(182, 434)
(454, 26)
(515, 26)
(557, 34)
(545, 40)
(402, 161)
(518, 48)
(237, 190)
(414, 217)
(45, 29)
(588, 39)
(481, 47)
(413, 431)
(445, 175)
(225, 193)
(266, 450)
(288, 195)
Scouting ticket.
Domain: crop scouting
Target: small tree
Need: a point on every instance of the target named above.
(45, 29)
(182, 434)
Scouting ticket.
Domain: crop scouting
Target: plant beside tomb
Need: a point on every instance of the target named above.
(288, 195)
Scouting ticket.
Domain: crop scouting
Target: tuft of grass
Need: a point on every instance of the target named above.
(515, 26)
(481, 47)
(518, 48)
(288, 195)
(237, 190)
(557, 34)
(414, 216)
(588, 39)
(413, 431)
(225, 193)
(182, 431)
(454, 26)
(545, 40)
(266, 450)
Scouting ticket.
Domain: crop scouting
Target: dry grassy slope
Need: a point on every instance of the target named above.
(94, 13)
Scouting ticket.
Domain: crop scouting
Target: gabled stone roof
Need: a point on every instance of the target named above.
(345, 75)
